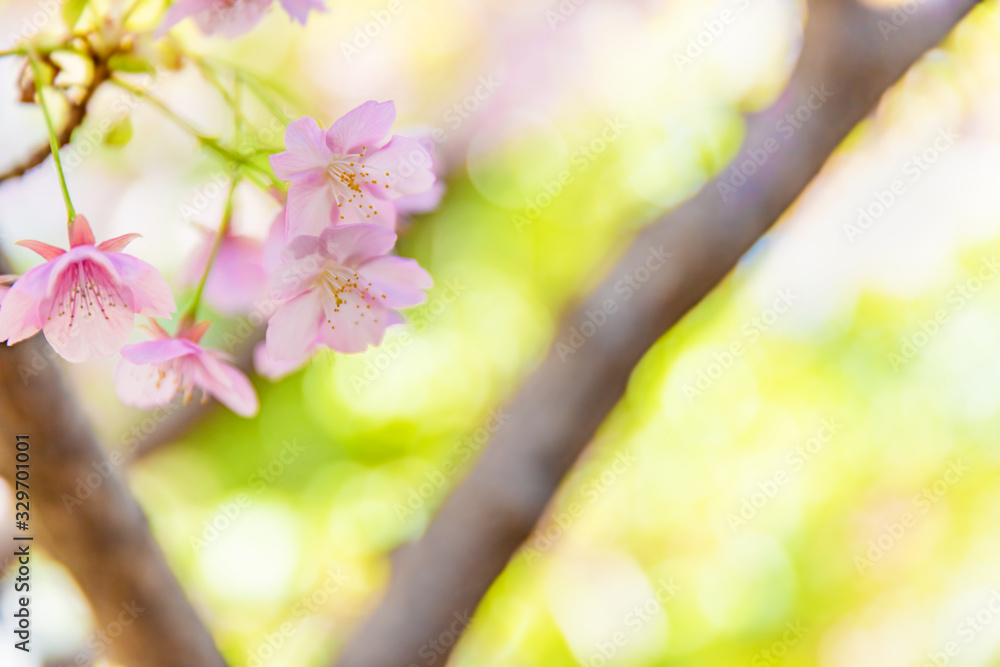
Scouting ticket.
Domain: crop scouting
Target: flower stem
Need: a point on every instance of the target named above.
(208, 142)
(36, 69)
(191, 314)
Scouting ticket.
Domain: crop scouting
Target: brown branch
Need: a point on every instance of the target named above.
(560, 408)
(105, 540)
(74, 119)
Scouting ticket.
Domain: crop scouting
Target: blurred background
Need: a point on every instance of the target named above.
(825, 495)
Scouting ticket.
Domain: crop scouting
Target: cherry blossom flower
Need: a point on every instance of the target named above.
(349, 173)
(238, 277)
(341, 290)
(231, 18)
(84, 299)
(152, 373)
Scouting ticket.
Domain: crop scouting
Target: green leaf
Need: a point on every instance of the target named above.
(72, 10)
(120, 133)
(133, 64)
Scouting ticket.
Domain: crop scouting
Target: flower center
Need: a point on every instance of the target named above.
(86, 293)
(346, 174)
(347, 293)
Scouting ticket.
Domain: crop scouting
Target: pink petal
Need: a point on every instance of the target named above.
(84, 254)
(231, 19)
(352, 326)
(3, 292)
(310, 208)
(400, 279)
(382, 213)
(351, 245)
(403, 165)
(292, 330)
(158, 351)
(368, 125)
(79, 232)
(180, 10)
(299, 9)
(90, 315)
(146, 386)
(425, 202)
(273, 369)
(20, 316)
(44, 249)
(305, 154)
(150, 291)
(118, 243)
(228, 385)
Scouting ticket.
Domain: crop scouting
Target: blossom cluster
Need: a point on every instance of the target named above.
(327, 262)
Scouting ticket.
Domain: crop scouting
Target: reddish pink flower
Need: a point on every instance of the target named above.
(349, 173)
(231, 18)
(342, 291)
(238, 277)
(84, 299)
(152, 373)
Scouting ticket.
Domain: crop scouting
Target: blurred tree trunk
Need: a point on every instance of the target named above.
(851, 55)
(102, 538)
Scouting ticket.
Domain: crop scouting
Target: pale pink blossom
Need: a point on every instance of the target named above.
(84, 299)
(340, 290)
(151, 374)
(231, 18)
(238, 278)
(349, 173)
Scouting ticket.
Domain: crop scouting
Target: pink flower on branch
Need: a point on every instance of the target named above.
(342, 290)
(151, 374)
(84, 299)
(231, 18)
(349, 173)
